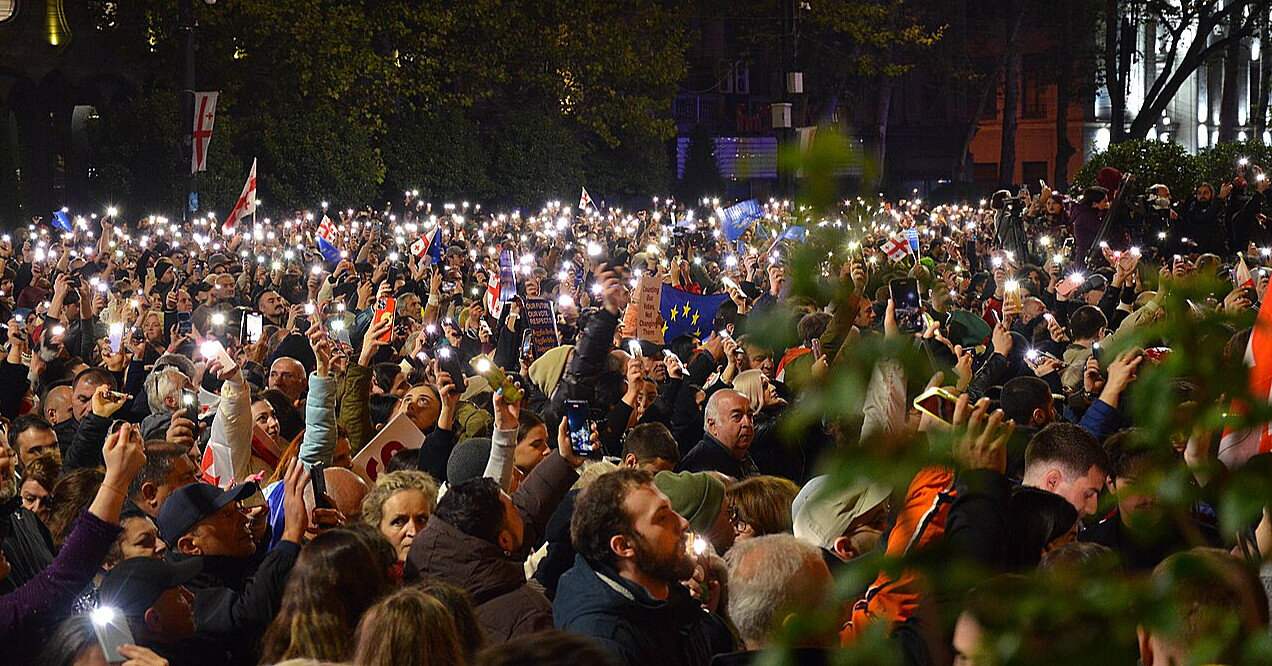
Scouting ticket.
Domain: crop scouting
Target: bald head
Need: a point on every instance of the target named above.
(288, 375)
(57, 404)
(346, 491)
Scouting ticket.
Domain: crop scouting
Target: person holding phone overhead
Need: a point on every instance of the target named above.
(82, 553)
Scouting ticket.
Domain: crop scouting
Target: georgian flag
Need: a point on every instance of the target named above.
(1243, 277)
(429, 245)
(895, 248)
(246, 204)
(204, 116)
(585, 201)
(326, 239)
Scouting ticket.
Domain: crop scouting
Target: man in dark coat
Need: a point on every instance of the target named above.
(624, 590)
(476, 539)
(236, 595)
(726, 446)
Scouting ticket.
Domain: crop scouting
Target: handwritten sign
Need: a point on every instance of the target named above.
(399, 435)
(541, 325)
(648, 319)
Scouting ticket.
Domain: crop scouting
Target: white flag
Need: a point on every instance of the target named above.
(204, 116)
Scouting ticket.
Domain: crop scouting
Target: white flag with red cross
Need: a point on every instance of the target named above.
(201, 133)
(246, 204)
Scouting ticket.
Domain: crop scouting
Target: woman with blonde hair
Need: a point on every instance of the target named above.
(408, 628)
(767, 405)
(399, 506)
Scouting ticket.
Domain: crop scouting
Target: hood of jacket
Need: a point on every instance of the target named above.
(479, 567)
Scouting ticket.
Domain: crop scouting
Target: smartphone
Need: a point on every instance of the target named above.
(319, 483)
(213, 349)
(905, 296)
(448, 360)
(384, 309)
(1095, 351)
(937, 403)
(633, 346)
(250, 331)
(579, 427)
(184, 327)
(190, 405)
(111, 628)
(115, 337)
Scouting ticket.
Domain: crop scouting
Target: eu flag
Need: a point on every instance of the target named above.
(684, 313)
(62, 221)
(736, 219)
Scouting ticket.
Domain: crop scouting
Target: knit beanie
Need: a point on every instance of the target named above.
(696, 496)
(468, 460)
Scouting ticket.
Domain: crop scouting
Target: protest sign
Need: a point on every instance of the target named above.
(400, 434)
(649, 323)
(541, 324)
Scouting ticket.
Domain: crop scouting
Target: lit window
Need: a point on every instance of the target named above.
(8, 8)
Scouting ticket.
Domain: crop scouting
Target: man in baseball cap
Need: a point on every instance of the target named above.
(202, 519)
(844, 522)
(237, 595)
(152, 596)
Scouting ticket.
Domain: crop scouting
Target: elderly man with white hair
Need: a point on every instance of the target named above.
(726, 444)
(770, 579)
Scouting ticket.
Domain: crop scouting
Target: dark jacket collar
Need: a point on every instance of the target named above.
(476, 565)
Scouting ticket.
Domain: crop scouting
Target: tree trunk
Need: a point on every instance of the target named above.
(1011, 99)
(1231, 72)
(1064, 80)
(883, 108)
(1259, 113)
(991, 86)
(1115, 77)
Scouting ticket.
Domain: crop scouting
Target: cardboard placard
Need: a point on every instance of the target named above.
(648, 301)
(540, 314)
(400, 434)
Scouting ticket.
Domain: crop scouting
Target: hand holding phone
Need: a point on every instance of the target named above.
(937, 403)
(384, 308)
(319, 483)
(579, 428)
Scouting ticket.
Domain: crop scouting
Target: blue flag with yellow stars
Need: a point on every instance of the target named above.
(684, 313)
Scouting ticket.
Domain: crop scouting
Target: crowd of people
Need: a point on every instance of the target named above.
(194, 467)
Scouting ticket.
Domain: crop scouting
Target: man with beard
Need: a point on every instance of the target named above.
(624, 590)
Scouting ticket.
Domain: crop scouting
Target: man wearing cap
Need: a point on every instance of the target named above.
(845, 523)
(726, 444)
(152, 596)
(235, 599)
(699, 498)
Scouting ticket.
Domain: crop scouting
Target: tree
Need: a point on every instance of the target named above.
(702, 172)
(1184, 36)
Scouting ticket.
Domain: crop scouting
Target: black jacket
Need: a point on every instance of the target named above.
(1142, 550)
(636, 628)
(234, 602)
(711, 456)
(27, 544)
(85, 449)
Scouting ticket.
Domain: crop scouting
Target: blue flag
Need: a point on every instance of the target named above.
(684, 313)
(796, 234)
(430, 246)
(912, 235)
(736, 219)
(62, 221)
